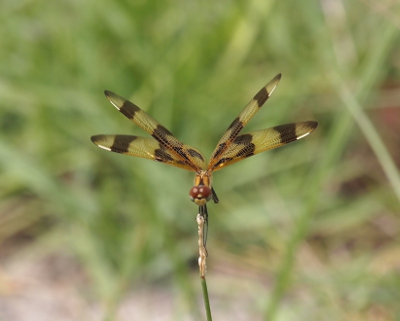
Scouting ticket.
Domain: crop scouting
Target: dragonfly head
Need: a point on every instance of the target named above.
(200, 194)
(201, 191)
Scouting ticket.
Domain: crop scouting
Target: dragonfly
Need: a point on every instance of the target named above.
(165, 148)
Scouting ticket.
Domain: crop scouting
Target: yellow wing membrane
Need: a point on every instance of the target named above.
(244, 117)
(255, 142)
(144, 147)
(174, 152)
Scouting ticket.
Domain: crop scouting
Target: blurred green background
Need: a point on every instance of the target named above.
(309, 231)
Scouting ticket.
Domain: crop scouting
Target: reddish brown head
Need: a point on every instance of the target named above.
(200, 194)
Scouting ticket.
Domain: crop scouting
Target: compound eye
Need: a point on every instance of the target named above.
(200, 193)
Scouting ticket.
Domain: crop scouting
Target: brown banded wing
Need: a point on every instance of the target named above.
(255, 142)
(144, 147)
(244, 117)
(165, 147)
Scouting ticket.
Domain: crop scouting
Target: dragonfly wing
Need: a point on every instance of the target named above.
(144, 147)
(255, 142)
(244, 117)
(183, 153)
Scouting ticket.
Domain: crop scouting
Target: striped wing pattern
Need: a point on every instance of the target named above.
(167, 148)
(244, 117)
(144, 147)
(255, 142)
